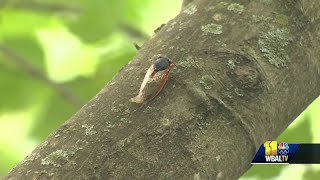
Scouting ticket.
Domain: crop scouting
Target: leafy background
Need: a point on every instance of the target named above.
(56, 55)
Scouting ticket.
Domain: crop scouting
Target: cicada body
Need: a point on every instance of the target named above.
(154, 80)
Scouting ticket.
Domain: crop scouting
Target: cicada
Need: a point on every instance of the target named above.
(154, 80)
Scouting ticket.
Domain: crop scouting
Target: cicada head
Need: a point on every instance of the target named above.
(162, 63)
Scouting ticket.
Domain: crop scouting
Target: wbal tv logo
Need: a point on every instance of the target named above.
(276, 153)
(271, 152)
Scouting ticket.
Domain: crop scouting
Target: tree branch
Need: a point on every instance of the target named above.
(185, 3)
(248, 69)
(42, 6)
(133, 32)
(65, 92)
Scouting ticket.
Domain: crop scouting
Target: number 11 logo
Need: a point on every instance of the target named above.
(271, 148)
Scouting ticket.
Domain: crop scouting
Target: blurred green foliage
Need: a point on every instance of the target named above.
(63, 52)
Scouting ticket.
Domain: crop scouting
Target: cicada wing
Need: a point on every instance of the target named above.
(155, 85)
(138, 99)
(152, 85)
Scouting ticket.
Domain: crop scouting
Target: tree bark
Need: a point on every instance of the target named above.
(244, 71)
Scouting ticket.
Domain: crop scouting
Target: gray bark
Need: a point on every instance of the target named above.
(244, 72)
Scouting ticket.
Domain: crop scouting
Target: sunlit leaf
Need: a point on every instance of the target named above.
(14, 142)
(66, 56)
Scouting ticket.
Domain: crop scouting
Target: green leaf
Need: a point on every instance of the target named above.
(16, 23)
(97, 20)
(66, 56)
(20, 89)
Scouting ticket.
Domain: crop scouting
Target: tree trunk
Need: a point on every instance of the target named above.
(244, 71)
